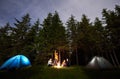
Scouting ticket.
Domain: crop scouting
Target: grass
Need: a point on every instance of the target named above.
(74, 72)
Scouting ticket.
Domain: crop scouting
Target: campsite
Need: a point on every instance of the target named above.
(19, 67)
(59, 39)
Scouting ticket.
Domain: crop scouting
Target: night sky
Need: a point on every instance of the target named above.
(10, 9)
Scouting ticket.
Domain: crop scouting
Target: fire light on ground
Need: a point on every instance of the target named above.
(58, 65)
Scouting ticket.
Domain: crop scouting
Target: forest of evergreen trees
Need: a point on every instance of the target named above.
(77, 40)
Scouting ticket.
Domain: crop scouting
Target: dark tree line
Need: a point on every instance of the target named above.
(77, 40)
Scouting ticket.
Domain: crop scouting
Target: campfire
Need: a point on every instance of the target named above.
(56, 61)
(58, 65)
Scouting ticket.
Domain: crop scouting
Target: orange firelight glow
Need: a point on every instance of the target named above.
(57, 58)
(58, 65)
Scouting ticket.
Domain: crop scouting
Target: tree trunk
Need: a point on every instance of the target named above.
(116, 58)
(112, 59)
(77, 61)
(107, 56)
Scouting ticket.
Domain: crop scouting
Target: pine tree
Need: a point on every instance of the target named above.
(5, 42)
(112, 21)
(72, 36)
(20, 32)
(84, 38)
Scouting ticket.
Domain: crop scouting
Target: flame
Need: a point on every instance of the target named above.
(57, 59)
(58, 65)
(56, 55)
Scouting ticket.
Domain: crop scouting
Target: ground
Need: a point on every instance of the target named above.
(74, 72)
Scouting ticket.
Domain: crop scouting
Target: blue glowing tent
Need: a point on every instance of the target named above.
(18, 61)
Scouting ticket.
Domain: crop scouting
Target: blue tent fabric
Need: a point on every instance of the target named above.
(18, 61)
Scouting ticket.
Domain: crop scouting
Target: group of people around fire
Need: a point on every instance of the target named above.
(56, 62)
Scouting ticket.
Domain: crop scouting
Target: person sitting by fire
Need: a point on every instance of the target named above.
(67, 62)
(49, 62)
(64, 63)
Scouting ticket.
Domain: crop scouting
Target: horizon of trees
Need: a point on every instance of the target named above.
(77, 40)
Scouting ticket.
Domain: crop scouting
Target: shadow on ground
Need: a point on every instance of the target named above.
(74, 72)
(103, 74)
(19, 73)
